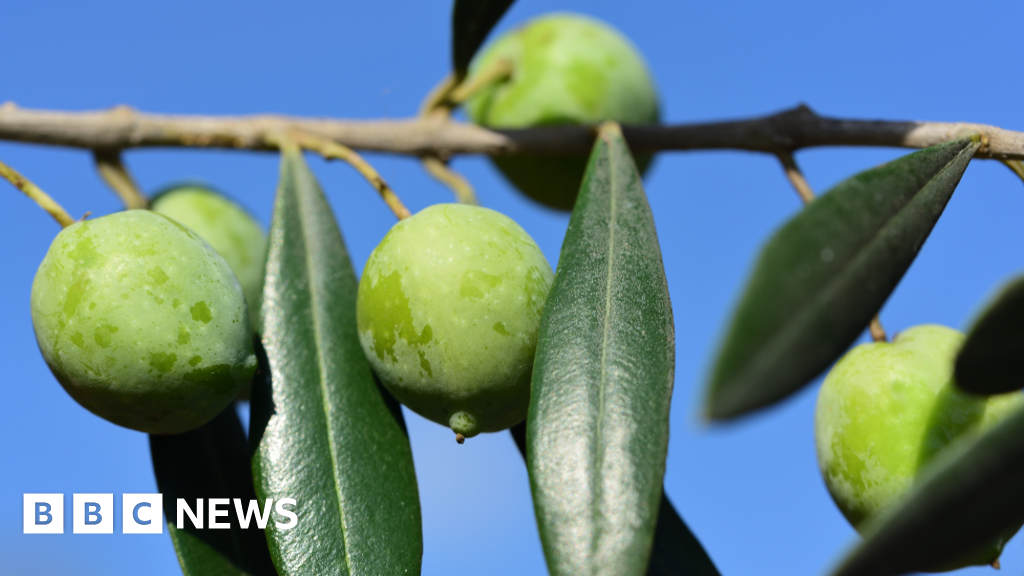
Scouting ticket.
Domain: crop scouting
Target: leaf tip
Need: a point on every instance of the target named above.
(718, 409)
(703, 419)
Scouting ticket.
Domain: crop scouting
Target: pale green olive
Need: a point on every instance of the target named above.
(142, 322)
(225, 226)
(886, 410)
(448, 310)
(566, 69)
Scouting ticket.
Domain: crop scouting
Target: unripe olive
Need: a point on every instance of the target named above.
(886, 411)
(448, 310)
(566, 69)
(142, 322)
(228, 228)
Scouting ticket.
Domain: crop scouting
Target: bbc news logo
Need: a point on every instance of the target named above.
(143, 513)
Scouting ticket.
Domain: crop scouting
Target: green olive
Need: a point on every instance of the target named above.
(448, 311)
(886, 411)
(142, 322)
(566, 69)
(225, 226)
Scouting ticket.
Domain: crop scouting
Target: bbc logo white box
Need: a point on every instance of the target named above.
(142, 514)
(92, 513)
(43, 514)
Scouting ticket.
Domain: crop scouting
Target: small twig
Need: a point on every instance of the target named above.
(37, 195)
(1016, 165)
(877, 331)
(460, 438)
(113, 171)
(437, 107)
(438, 95)
(450, 92)
(995, 564)
(330, 150)
(796, 177)
(499, 71)
(461, 187)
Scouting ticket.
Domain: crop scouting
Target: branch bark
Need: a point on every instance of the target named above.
(787, 131)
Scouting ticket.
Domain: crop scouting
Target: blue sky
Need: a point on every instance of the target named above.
(750, 490)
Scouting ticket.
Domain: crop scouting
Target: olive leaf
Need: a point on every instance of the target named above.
(991, 360)
(966, 500)
(210, 462)
(826, 272)
(676, 549)
(602, 378)
(322, 431)
(472, 21)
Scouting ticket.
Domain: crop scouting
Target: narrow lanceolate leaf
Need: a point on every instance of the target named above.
(969, 500)
(602, 378)
(992, 358)
(472, 21)
(211, 462)
(676, 550)
(323, 433)
(824, 274)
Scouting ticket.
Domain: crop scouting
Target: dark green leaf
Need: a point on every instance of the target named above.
(324, 433)
(968, 500)
(602, 378)
(992, 358)
(676, 550)
(472, 21)
(210, 462)
(824, 274)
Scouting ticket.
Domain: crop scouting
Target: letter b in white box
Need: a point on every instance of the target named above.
(43, 514)
(142, 514)
(92, 513)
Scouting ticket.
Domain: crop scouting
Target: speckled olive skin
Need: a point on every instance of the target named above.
(448, 311)
(567, 69)
(886, 410)
(142, 322)
(225, 226)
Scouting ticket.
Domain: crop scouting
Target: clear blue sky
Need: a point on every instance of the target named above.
(751, 491)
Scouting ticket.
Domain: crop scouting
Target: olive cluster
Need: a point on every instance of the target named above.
(146, 317)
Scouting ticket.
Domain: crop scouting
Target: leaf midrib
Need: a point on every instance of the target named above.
(598, 430)
(314, 300)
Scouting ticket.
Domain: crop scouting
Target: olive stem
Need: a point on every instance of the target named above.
(796, 177)
(877, 331)
(461, 439)
(458, 184)
(438, 95)
(995, 564)
(499, 71)
(37, 195)
(451, 91)
(334, 151)
(113, 171)
(806, 193)
(1016, 165)
(437, 107)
